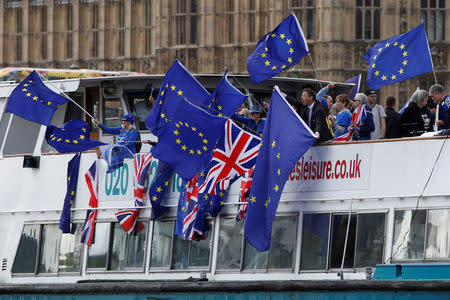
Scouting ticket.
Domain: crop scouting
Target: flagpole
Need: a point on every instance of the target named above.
(315, 70)
(65, 95)
(251, 96)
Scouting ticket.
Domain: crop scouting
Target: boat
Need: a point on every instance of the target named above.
(385, 202)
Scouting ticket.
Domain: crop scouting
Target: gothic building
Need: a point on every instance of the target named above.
(208, 36)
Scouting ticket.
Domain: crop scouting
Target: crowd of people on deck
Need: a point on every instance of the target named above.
(330, 118)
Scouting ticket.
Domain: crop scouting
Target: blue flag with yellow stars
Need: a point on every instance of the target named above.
(72, 137)
(72, 179)
(398, 58)
(277, 50)
(286, 138)
(115, 155)
(187, 143)
(225, 99)
(33, 101)
(177, 84)
(159, 189)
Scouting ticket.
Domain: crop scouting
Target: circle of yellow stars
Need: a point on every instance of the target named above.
(397, 73)
(202, 146)
(266, 57)
(59, 138)
(28, 93)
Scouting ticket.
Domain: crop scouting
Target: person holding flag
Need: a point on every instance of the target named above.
(362, 119)
(128, 135)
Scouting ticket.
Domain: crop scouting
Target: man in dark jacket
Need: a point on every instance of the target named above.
(314, 115)
(392, 119)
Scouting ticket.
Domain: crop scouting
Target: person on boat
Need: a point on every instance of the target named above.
(327, 99)
(366, 127)
(255, 124)
(437, 92)
(313, 113)
(379, 115)
(128, 135)
(343, 119)
(392, 119)
(416, 118)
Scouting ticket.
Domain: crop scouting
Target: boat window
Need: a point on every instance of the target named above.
(58, 253)
(25, 260)
(369, 239)
(127, 250)
(315, 241)
(71, 250)
(409, 234)
(112, 112)
(140, 106)
(438, 234)
(72, 110)
(200, 252)
(115, 250)
(279, 256)
(323, 244)
(255, 259)
(337, 241)
(50, 242)
(281, 253)
(172, 251)
(162, 243)
(99, 249)
(230, 244)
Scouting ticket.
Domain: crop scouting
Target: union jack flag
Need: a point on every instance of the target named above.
(189, 215)
(234, 155)
(246, 183)
(359, 115)
(128, 218)
(87, 235)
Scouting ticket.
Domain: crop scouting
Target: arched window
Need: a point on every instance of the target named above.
(305, 12)
(432, 15)
(367, 19)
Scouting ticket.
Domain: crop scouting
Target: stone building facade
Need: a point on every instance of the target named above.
(208, 36)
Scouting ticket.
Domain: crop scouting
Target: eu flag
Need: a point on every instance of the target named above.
(33, 101)
(72, 179)
(72, 137)
(159, 189)
(178, 83)
(187, 143)
(398, 58)
(286, 138)
(277, 50)
(357, 81)
(225, 99)
(114, 155)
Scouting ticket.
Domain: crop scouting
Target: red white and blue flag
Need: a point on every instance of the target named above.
(246, 184)
(191, 209)
(87, 235)
(234, 155)
(359, 115)
(190, 218)
(128, 218)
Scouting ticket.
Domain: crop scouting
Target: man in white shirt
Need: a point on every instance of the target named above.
(379, 115)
